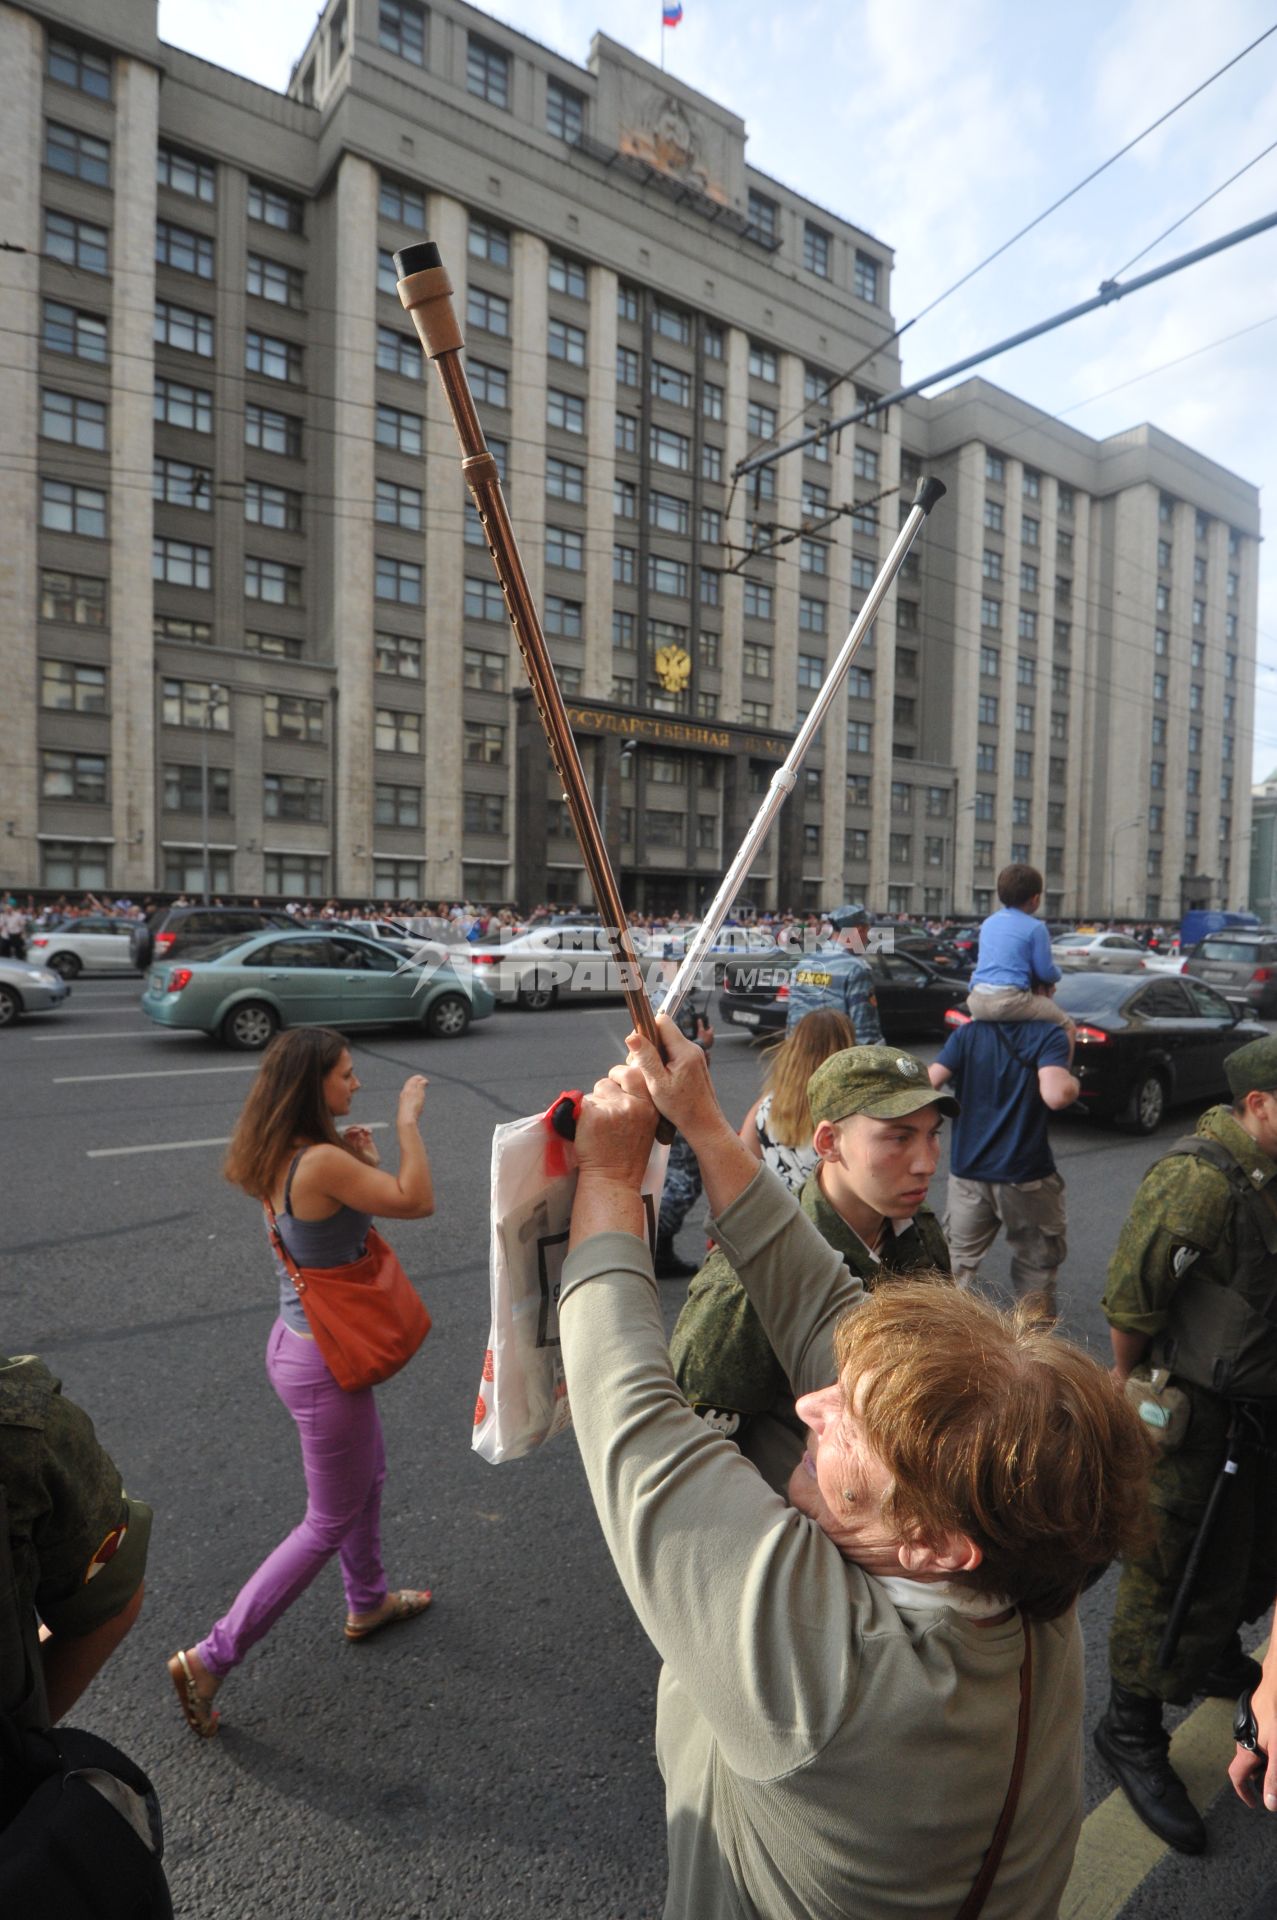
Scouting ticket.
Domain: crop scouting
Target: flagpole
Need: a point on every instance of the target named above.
(662, 40)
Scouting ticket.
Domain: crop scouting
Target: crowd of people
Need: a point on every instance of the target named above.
(852, 1501)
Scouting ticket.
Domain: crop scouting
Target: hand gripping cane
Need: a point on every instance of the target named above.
(426, 292)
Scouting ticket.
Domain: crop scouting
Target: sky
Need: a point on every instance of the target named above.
(941, 129)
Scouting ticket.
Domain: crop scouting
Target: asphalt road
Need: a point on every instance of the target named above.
(495, 1758)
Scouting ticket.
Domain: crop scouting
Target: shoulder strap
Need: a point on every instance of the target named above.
(288, 1184)
(974, 1902)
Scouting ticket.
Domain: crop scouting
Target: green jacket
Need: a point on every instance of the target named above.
(78, 1544)
(1181, 1220)
(723, 1360)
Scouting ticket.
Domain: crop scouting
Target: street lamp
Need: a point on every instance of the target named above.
(210, 705)
(1121, 828)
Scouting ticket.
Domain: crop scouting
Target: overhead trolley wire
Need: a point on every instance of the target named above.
(1177, 224)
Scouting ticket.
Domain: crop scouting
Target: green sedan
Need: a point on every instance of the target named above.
(243, 991)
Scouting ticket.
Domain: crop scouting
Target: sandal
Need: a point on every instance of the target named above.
(404, 1605)
(202, 1716)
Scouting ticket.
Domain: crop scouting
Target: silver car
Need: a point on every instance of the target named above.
(25, 988)
(1106, 952)
(98, 942)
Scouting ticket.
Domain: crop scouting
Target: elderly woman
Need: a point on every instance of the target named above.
(867, 1681)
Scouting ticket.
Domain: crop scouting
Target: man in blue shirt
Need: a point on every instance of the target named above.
(1008, 1076)
(837, 976)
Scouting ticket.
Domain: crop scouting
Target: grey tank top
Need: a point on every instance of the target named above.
(314, 1243)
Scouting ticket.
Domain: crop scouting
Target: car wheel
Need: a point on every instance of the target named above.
(534, 995)
(66, 965)
(250, 1026)
(449, 1017)
(10, 1006)
(1148, 1103)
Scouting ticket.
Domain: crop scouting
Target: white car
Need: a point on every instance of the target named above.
(25, 988)
(553, 963)
(1111, 952)
(96, 943)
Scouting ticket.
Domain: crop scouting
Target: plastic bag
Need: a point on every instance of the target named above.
(523, 1399)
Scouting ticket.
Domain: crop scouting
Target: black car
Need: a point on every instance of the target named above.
(171, 931)
(912, 997)
(1146, 1043)
(936, 949)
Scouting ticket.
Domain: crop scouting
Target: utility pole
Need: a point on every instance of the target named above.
(1136, 822)
(210, 704)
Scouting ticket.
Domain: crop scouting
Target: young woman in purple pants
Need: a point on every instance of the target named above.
(325, 1188)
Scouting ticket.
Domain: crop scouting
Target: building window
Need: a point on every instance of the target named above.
(672, 384)
(191, 703)
(1028, 578)
(397, 580)
(73, 419)
(292, 796)
(184, 789)
(399, 654)
(399, 431)
(990, 662)
(78, 243)
(567, 411)
(76, 599)
(992, 566)
(624, 565)
(73, 776)
(672, 323)
(1026, 670)
(483, 600)
(862, 573)
(68, 686)
(1026, 624)
(995, 468)
(711, 527)
(762, 362)
(816, 249)
(191, 633)
(987, 709)
(272, 358)
(565, 547)
(564, 112)
(1059, 726)
(865, 277)
(1023, 764)
(488, 72)
(711, 462)
(758, 599)
(666, 448)
(487, 241)
(299, 875)
(864, 520)
(81, 156)
(401, 29)
(79, 67)
(273, 581)
(991, 614)
(176, 483)
(180, 564)
(68, 330)
(399, 353)
(860, 684)
(182, 328)
(564, 618)
(403, 204)
(273, 432)
(186, 173)
(271, 280)
(274, 207)
(186, 252)
(994, 516)
(566, 342)
(489, 384)
(398, 506)
(484, 742)
(395, 806)
(627, 303)
(1031, 485)
(756, 660)
(489, 311)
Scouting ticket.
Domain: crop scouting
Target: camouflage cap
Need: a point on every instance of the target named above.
(853, 914)
(880, 1081)
(1253, 1069)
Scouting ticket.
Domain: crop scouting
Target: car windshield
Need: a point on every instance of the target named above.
(1094, 993)
(1246, 950)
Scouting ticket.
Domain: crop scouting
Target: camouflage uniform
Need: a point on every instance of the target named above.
(837, 978)
(78, 1542)
(1182, 1222)
(722, 1358)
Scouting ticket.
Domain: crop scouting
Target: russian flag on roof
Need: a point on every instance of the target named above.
(671, 13)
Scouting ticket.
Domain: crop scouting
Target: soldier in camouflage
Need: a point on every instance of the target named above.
(77, 1542)
(837, 975)
(877, 1133)
(1192, 1289)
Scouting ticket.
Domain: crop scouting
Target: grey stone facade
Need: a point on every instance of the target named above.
(236, 522)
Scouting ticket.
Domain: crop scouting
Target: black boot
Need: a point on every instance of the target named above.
(1137, 1747)
(667, 1263)
(1232, 1672)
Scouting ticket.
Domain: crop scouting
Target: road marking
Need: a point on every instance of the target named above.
(179, 1146)
(150, 1073)
(1116, 1851)
(116, 1033)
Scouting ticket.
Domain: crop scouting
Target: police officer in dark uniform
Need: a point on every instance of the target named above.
(1192, 1307)
(77, 1543)
(837, 975)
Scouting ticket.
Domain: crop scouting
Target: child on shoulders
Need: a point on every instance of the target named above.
(1015, 975)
